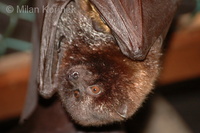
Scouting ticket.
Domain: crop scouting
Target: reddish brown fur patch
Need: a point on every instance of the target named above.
(124, 81)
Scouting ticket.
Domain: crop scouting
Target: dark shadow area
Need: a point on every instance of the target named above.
(185, 98)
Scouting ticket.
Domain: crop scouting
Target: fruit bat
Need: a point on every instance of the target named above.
(102, 57)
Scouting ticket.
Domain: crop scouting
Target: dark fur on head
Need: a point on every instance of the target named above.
(98, 84)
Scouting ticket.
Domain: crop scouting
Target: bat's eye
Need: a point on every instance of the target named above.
(74, 75)
(95, 89)
(76, 94)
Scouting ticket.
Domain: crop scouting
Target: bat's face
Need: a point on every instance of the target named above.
(95, 87)
(103, 86)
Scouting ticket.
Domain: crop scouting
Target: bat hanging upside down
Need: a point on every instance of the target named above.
(102, 56)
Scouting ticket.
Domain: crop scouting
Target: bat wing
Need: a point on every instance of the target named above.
(47, 69)
(32, 95)
(136, 24)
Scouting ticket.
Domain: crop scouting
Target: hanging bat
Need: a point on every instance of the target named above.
(102, 56)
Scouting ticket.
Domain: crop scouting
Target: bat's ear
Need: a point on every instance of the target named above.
(49, 63)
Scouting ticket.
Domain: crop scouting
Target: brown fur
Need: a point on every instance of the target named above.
(97, 59)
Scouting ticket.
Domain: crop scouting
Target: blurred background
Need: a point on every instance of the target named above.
(175, 103)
